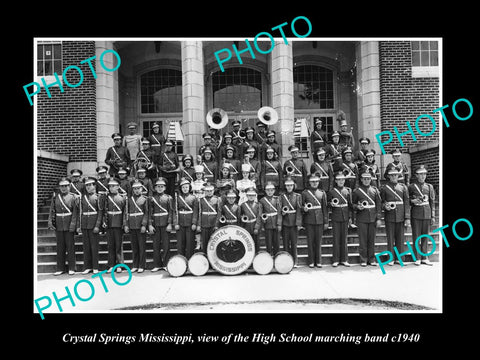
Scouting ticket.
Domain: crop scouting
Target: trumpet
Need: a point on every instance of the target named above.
(284, 210)
(222, 219)
(364, 203)
(264, 217)
(346, 172)
(335, 201)
(289, 170)
(244, 218)
(308, 206)
(390, 205)
(424, 198)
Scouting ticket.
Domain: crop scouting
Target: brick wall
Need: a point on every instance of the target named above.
(429, 158)
(66, 122)
(49, 171)
(403, 98)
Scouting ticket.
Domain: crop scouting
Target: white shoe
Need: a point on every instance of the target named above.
(119, 270)
(86, 271)
(295, 266)
(95, 271)
(155, 269)
(58, 273)
(134, 270)
(346, 263)
(373, 264)
(391, 263)
(110, 270)
(335, 264)
(363, 264)
(71, 272)
(311, 265)
(418, 262)
(140, 270)
(427, 262)
(319, 265)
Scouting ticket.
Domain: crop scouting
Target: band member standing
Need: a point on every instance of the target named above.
(132, 141)
(185, 218)
(367, 203)
(209, 165)
(315, 219)
(349, 169)
(157, 140)
(371, 167)
(117, 156)
(169, 167)
(271, 142)
(318, 137)
(255, 166)
(229, 213)
(136, 224)
(198, 184)
(222, 151)
(62, 218)
(147, 159)
(235, 164)
(77, 187)
(296, 169)
(334, 150)
(323, 169)
(146, 183)
(269, 209)
(187, 170)
(209, 207)
(290, 221)
(346, 137)
(238, 136)
(261, 134)
(361, 154)
(102, 180)
(244, 184)
(114, 206)
(250, 216)
(160, 223)
(422, 199)
(271, 171)
(125, 185)
(395, 201)
(340, 201)
(250, 142)
(207, 138)
(90, 221)
(403, 176)
(225, 182)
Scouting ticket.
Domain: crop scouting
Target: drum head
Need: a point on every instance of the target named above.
(177, 265)
(198, 264)
(283, 262)
(263, 263)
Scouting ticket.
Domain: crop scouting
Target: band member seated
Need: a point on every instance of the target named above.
(136, 225)
(114, 206)
(187, 170)
(290, 221)
(361, 154)
(125, 188)
(340, 201)
(62, 218)
(315, 219)
(396, 203)
(318, 137)
(90, 221)
(160, 224)
(199, 182)
(117, 156)
(209, 206)
(169, 167)
(157, 140)
(145, 182)
(244, 184)
(225, 181)
(146, 159)
(255, 166)
(77, 187)
(323, 169)
(271, 171)
(422, 200)
(250, 216)
(209, 165)
(269, 213)
(371, 167)
(250, 141)
(229, 213)
(296, 169)
(185, 219)
(235, 164)
(403, 176)
(367, 203)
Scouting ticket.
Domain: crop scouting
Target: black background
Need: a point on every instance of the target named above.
(454, 328)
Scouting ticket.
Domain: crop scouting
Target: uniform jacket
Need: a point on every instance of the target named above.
(147, 188)
(371, 214)
(160, 210)
(117, 156)
(157, 142)
(333, 151)
(253, 216)
(91, 212)
(235, 168)
(425, 210)
(137, 212)
(210, 170)
(351, 170)
(185, 210)
(265, 205)
(149, 154)
(299, 174)
(293, 201)
(125, 187)
(404, 175)
(275, 146)
(113, 207)
(188, 173)
(342, 212)
(168, 161)
(209, 211)
(317, 140)
(402, 211)
(253, 143)
(271, 170)
(231, 214)
(102, 186)
(315, 216)
(63, 217)
(257, 168)
(78, 188)
(324, 170)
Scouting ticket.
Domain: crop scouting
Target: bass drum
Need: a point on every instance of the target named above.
(263, 263)
(198, 264)
(283, 262)
(177, 265)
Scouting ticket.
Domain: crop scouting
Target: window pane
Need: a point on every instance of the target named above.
(161, 91)
(434, 58)
(57, 66)
(424, 45)
(313, 86)
(48, 68)
(39, 68)
(433, 45)
(47, 52)
(57, 52)
(424, 58)
(415, 45)
(40, 52)
(416, 58)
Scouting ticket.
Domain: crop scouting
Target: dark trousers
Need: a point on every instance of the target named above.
(314, 243)
(138, 241)
(170, 188)
(420, 227)
(271, 241)
(65, 245)
(250, 227)
(340, 250)
(366, 236)
(90, 249)
(185, 241)
(395, 236)
(161, 246)
(290, 237)
(114, 245)
(204, 237)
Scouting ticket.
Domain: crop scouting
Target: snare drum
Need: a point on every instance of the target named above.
(263, 262)
(283, 262)
(177, 265)
(198, 264)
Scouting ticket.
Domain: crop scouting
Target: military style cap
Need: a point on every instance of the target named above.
(229, 148)
(145, 141)
(292, 148)
(318, 120)
(64, 181)
(249, 129)
(313, 177)
(161, 181)
(270, 149)
(320, 151)
(188, 157)
(184, 181)
(208, 187)
(251, 191)
(260, 124)
(76, 172)
(207, 150)
(116, 136)
(335, 133)
(113, 182)
(206, 136)
(122, 171)
(269, 185)
(155, 124)
(136, 183)
(89, 180)
(370, 152)
(392, 169)
(396, 152)
(101, 169)
(168, 143)
(226, 165)
(364, 172)
(250, 149)
(347, 150)
(228, 135)
(236, 123)
(289, 181)
(364, 140)
(141, 170)
(231, 193)
(271, 133)
(132, 125)
(339, 175)
(421, 169)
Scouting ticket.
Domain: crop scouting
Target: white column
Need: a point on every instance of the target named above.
(193, 124)
(282, 94)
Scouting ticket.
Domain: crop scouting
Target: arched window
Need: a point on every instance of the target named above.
(313, 87)
(161, 91)
(237, 88)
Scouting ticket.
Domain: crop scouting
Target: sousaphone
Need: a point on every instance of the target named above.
(217, 118)
(267, 115)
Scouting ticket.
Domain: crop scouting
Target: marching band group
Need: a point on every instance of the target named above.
(238, 179)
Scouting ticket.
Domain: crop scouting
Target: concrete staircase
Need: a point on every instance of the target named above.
(46, 246)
